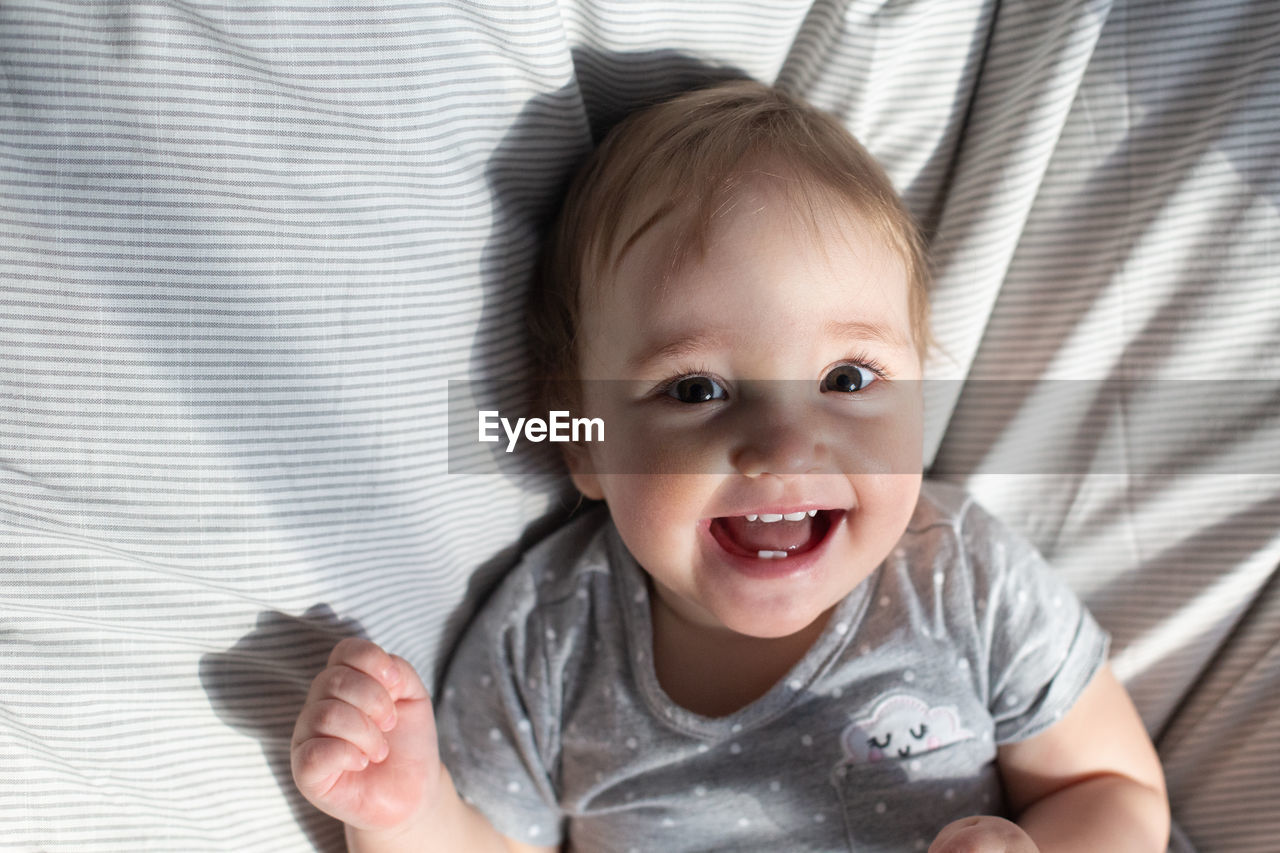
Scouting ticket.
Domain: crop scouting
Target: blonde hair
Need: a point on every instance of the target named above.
(683, 158)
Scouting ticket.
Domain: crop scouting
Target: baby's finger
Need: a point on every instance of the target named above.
(318, 763)
(408, 685)
(335, 718)
(368, 658)
(358, 689)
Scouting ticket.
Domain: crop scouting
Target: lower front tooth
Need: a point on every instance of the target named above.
(771, 555)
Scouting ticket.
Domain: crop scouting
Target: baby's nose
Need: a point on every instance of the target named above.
(780, 444)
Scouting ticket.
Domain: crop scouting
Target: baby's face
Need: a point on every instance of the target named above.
(776, 375)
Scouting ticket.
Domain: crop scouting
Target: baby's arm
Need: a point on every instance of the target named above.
(364, 751)
(1090, 782)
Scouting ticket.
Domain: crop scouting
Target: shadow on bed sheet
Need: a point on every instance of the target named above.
(283, 654)
(281, 650)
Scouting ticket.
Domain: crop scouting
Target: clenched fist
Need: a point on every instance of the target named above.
(364, 747)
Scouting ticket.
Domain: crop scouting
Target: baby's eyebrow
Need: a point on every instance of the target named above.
(681, 347)
(709, 340)
(863, 330)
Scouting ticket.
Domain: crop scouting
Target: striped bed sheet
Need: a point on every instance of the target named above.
(245, 249)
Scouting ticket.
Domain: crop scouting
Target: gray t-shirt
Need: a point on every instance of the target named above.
(554, 726)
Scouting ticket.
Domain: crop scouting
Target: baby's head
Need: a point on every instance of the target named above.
(734, 288)
(682, 162)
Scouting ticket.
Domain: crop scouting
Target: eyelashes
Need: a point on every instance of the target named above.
(674, 389)
(699, 384)
(865, 361)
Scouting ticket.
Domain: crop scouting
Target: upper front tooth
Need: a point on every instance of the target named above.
(795, 516)
(752, 517)
(812, 513)
(770, 516)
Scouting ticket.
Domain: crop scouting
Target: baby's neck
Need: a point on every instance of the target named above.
(715, 672)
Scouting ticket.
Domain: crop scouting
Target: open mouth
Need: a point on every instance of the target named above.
(774, 536)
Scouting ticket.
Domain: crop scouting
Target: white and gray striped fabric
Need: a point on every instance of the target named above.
(245, 248)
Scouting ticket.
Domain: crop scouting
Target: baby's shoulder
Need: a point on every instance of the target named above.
(546, 617)
(951, 530)
(573, 553)
(556, 578)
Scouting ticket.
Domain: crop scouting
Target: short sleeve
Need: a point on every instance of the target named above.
(498, 735)
(1042, 645)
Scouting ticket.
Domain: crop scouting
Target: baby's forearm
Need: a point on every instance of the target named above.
(446, 826)
(1107, 812)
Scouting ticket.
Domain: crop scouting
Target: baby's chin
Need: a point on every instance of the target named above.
(774, 625)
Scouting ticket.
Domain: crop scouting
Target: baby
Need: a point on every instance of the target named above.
(772, 637)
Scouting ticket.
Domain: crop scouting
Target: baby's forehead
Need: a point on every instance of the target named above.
(679, 228)
(665, 282)
(662, 236)
(676, 219)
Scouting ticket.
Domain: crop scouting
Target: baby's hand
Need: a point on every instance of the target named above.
(364, 747)
(983, 834)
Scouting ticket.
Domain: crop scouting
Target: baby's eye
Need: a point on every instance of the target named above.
(877, 744)
(924, 730)
(848, 378)
(696, 389)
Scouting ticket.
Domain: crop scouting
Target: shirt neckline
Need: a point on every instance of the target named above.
(633, 600)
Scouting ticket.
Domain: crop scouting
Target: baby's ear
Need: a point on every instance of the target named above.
(582, 470)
